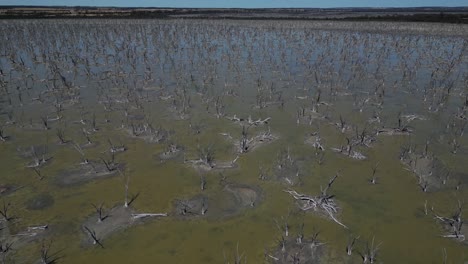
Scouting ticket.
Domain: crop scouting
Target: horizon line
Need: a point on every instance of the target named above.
(169, 7)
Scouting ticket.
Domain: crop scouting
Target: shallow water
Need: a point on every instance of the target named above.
(124, 70)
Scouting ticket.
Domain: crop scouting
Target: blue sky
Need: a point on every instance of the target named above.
(241, 3)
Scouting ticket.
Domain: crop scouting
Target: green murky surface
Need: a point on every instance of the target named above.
(125, 69)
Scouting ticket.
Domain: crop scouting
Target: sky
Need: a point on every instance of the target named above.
(240, 3)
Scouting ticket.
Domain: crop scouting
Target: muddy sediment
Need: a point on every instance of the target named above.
(114, 220)
(83, 173)
(233, 199)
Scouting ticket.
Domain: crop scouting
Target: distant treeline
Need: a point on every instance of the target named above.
(442, 15)
(441, 18)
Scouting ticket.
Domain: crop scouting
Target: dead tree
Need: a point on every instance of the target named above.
(342, 124)
(455, 145)
(206, 155)
(185, 207)
(403, 127)
(84, 159)
(444, 256)
(116, 149)
(283, 226)
(426, 149)
(238, 258)
(126, 203)
(282, 242)
(423, 184)
(244, 141)
(128, 200)
(220, 107)
(3, 137)
(300, 234)
(46, 257)
(452, 224)
(373, 179)
(86, 135)
(323, 203)
(350, 246)
(204, 207)
(39, 159)
(363, 139)
(109, 165)
(94, 124)
(370, 253)
(459, 184)
(92, 234)
(45, 123)
(202, 182)
(82, 119)
(38, 173)
(4, 211)
(330, 183)
(262, 175)
(4, 250)
(100, 212)
(314, 241)
(11, 119)
(320, 157)
(61, 135)
(44, 158)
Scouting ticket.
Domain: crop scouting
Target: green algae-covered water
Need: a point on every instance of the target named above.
(194, 84)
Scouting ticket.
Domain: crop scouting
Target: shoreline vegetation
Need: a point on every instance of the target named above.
(457, 15)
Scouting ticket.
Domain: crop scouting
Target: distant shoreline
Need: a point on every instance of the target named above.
(458, 15)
